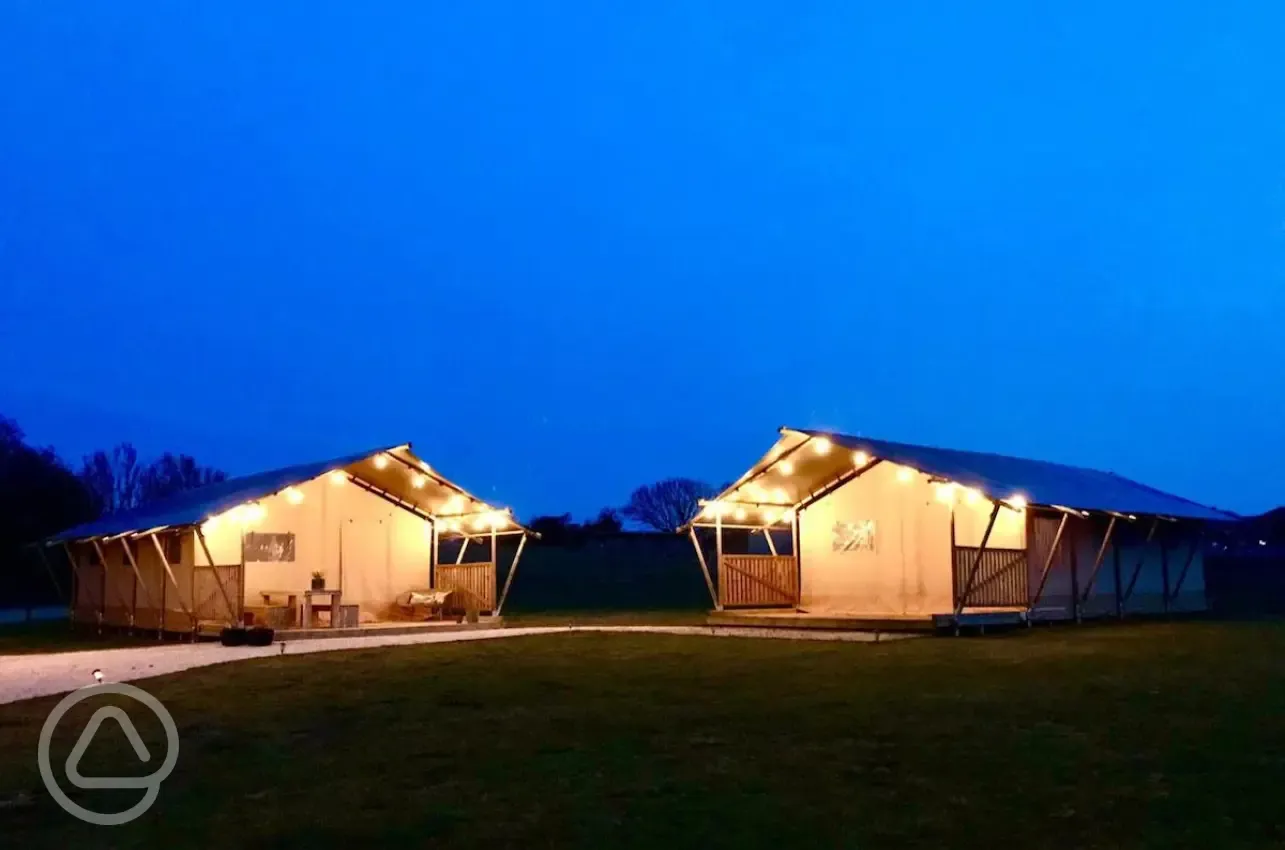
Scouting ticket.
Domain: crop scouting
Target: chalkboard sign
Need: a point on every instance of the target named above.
(260, 546)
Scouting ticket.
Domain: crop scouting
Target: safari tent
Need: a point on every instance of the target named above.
(363, 540)
(850, 529)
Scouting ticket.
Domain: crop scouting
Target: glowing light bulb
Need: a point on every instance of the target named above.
(946, 493)
(860, 458)
(739, 514)
(381, 461)
(756, 493)
(822, 446)
(418, 481)
(338, 477)
(786, 467)
(294, 495)
(972, 495)
(779, 495)
(904, 474)
(770, 516)
(454, 505)
(1018, 501)
(479, 523)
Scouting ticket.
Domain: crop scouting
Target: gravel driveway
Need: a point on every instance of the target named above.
(27, 676)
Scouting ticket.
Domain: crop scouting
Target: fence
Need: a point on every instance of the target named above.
(475, 579)
(1000, 581)
(758, 581)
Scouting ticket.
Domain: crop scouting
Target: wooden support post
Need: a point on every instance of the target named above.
(1142, 557)
(1048, 562)
(433, 542)
(700, 556)
(459, 559)
(1191, 556)
(1097, 562)
(962, 601)
(102, 558)
(160, 553)
(1115, 569)
(508, 580)
(44, 560)
(1075, 577)
(798, 555)
(234, 611)
(771, 544)
(1164, 574)
(77, 580)
(718, 550)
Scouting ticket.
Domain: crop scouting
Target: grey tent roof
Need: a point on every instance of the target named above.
(195, 506)
(1040, 482)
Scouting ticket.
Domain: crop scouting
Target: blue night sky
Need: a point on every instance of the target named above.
(570, 248)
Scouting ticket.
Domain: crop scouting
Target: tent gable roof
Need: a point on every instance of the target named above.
(192, 507)
(1041, 483)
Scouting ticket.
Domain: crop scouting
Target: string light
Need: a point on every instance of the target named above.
(479, 523)
(779, 495)
(972, 495)
(739, 514)
(1017, 501)
(338, 477)
(860, 458)
(946, 493)
(418, 481)
(770, 516)
(381, 461)
(786, 467)
(294, 495)
(757, 493)
(904, 475)
(822, 446)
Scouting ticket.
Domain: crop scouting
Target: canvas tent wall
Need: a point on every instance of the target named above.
(373, 524)
(892, 529)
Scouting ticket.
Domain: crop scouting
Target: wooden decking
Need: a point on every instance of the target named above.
(779, 619)
(392, 628)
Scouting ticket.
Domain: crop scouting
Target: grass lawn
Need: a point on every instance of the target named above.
(57, 636)
(1158, 735)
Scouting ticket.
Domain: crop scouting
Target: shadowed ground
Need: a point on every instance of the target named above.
(1157, 735)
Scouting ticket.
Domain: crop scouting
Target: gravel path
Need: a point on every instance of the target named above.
(27, 676)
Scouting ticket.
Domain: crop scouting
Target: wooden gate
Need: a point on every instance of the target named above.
(475, 579)
(1000, 580)
(758, 581)
(208, 602)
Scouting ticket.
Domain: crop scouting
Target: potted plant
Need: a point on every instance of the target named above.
(318, 580)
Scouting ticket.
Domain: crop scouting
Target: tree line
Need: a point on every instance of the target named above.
(41, 494)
